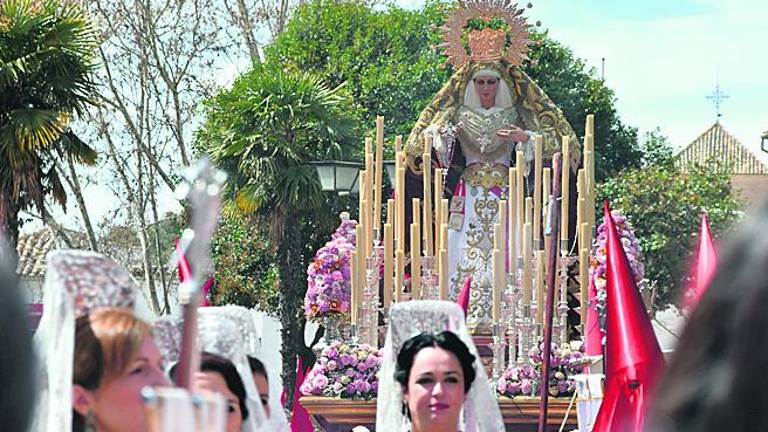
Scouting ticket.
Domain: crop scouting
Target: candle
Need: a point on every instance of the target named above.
(584, 284)
(415, 262)
(565, 181)
(540, 286)
(503, 208)
(426, 165)
(388, 265)
(391, 214)
(444, 213)
(589, 182)
(438, 201)
(416, 218)
(443, 273)
(361, 212)
(444, 236)
(364, 241)
(527, 231)
(537, 152)
(545, 196)
(589, 166)
(497, 272)
(354, 280)
(399, 273)
(520, 200)
(497, 239)
(379, 173)
(369, 219)
(581, 212)
(512, 215)
(529, 211)
(366, 193)
(400, 202)
(586, 234)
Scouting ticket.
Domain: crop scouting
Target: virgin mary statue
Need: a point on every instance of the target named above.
(489, 109)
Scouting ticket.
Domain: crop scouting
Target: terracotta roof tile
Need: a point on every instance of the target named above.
(717, 143)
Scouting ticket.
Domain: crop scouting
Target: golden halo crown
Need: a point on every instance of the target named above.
(487, 44)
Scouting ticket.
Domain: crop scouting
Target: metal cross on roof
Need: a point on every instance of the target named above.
(717, 97)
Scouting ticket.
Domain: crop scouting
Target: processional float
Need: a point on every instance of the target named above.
(528, 249)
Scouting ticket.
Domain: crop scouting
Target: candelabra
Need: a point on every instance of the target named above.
(525, 328)
(510, 312)
(369, 314)
(497, 346)
(430, 289)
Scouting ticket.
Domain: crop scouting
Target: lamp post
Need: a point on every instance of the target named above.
(389, 167)
(338, 176)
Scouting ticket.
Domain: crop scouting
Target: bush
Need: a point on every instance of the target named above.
(665, 206)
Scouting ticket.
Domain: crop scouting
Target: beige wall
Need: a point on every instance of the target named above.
(753, 188)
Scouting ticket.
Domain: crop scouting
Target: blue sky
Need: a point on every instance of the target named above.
(663, 57)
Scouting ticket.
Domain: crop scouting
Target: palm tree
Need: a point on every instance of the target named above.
(263, 132)
(46, 64)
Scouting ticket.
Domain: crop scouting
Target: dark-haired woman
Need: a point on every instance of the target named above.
(435, 372)
(431, 378)
(262, 383)
(219, 375)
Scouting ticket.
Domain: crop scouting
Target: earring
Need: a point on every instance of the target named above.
(90, 422)
(406, 411)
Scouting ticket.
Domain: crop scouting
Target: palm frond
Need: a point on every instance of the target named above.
(33, 129)
(70, 144)
(297, 188)
(248, 198)
(57, 188)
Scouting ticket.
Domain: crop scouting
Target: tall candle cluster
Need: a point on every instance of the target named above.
(520, 242)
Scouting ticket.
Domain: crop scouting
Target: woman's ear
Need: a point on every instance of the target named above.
(82, 400)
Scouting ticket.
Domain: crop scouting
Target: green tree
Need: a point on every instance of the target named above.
(46, 64)
(390, 64)
(665, 207)
(577, 91)
(656, 149)
(264, 131)
(384, 57)
(246, 272)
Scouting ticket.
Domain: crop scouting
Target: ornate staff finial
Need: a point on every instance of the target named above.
(202, 186)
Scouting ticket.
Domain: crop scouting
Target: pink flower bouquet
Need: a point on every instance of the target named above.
(345, 370)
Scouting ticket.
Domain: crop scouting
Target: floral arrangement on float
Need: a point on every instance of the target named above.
(329, 274)
(525, 379)
(597, 270)
(344, 370)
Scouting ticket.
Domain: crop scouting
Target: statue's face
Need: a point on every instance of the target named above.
(487, 86)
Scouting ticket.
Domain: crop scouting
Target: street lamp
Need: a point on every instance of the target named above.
(389, 167)
(763, 142)
(338, 176)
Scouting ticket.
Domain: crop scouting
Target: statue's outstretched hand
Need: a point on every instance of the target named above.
(513, 133)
